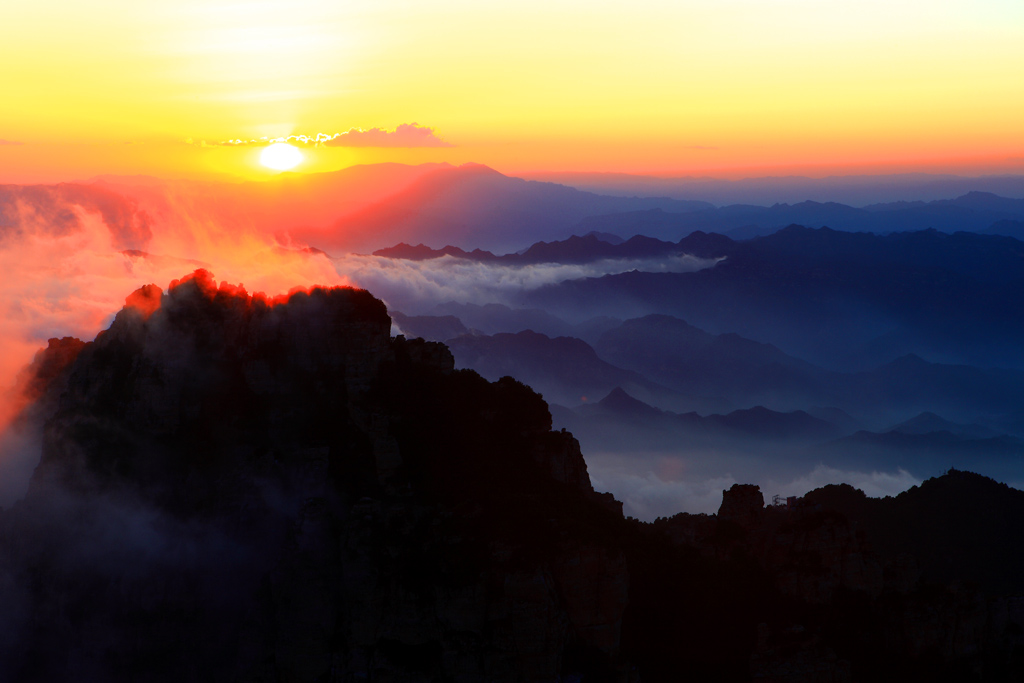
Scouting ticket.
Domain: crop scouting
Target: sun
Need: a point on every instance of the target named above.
(281, 156)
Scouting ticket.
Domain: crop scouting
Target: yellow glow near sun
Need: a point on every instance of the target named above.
(281, 156)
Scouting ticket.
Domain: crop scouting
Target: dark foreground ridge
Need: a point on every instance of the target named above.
(241, 489)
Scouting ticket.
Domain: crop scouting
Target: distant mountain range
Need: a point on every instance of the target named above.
(476, 205)
(658, 384)
(450, 319)
(927, 454)
(972, 212)
(366, 207)
(564, 370)
(591, 247)
(757, 422)
(846, 301)
(842, 300)
(674, 365)
(784, 440)
(855, 190)
(928, 422)
(745, 372)
(363, 208)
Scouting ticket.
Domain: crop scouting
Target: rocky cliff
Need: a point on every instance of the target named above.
(237, 488)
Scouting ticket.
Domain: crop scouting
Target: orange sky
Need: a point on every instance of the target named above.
(720, 88)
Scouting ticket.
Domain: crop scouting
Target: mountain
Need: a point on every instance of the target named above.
(422, 252)
(761, 442)
(429, 327)
(693, 361)
(368, 207)
(855, 190)
(233, 487)
(473, 205)
(983, 201)
(989, 258)
(565, 370)
(829, 297)
(1001, 456)
(757, 422)
(359, 208)
(494, 318)
(928, 422)
(822, 548)
(1014, 229)
(958, 390)
(972, 212)
(945, 523)
(620, 404)
(748, 373)
(286, 202)
(756, 441)
(763, 423)
(575, 249)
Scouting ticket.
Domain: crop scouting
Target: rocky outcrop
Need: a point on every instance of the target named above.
(286, 493)
(742, 504)
(48, 366)
(880, 609)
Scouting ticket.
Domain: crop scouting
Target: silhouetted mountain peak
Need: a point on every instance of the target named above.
(605, 237)
(764, 422)
(230, 475)
(928, 422)
(619, 402)
(473, 167)
(422, 252)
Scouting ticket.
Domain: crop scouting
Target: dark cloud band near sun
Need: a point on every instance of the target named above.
(405, 135)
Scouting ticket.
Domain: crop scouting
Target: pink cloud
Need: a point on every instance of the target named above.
(405, 135)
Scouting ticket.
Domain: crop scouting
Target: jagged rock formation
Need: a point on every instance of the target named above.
(741, 504)
(858, 602)
(284, 492)
(24, 409)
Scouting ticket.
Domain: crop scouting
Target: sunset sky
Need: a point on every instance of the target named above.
(726, 88)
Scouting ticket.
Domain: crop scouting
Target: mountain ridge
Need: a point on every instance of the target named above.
(237, 487)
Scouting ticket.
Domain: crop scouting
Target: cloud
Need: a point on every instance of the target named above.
(300, 140)
(654, 482)
(59, 209)
(405, 135)
(20, 448)
(10, 142)
(663, 485)
(646, 496)
(417, 285)
(875, 484)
